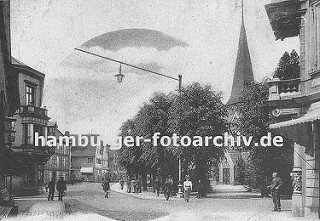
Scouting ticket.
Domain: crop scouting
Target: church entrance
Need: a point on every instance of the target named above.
(226, 176)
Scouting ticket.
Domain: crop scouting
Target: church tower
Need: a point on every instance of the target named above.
(243, 68)
(242, 73)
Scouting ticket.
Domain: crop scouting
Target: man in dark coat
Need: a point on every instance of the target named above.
(157, 186)
(61, 187)
(167, 187)
(51, 187)
(106, 187)
(275, 193)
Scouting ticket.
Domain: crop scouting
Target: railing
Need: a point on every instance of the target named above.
(289, 86)
(281, 89)
(34, 149)
(25, 110)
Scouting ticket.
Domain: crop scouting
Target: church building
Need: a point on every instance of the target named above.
(242, 74)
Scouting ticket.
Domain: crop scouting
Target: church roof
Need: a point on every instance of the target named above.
(243, 69)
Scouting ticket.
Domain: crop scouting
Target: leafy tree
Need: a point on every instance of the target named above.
(288, 66)
(198, 112)
(202, 114)
(146, 158)
(254, 121)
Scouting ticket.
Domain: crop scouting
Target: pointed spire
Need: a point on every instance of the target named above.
(243, 69)
(242, 12)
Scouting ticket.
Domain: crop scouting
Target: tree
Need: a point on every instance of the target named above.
(198, 112)
(202, 114)
(145, 158)
(288, 66)
(254, 121)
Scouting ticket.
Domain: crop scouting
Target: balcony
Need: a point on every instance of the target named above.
(32, 114)
(31, 153)
(284, 89)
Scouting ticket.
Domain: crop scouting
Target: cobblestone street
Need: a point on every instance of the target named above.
(86, 201)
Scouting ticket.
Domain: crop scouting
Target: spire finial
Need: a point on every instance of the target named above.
(242, 10)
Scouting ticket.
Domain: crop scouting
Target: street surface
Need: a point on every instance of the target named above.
(88, 198)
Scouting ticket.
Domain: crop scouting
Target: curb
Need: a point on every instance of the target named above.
(139, 196)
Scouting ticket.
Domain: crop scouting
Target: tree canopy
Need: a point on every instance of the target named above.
(254, 121)
(199, 111)
(288, 66)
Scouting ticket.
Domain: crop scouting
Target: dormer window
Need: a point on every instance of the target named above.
(30, 96)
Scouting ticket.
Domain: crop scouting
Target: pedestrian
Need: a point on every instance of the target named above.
(275, 191)
(51, 187)
(200, 190)
(106, 187)
(187, 186)
(128, 185)
(264, 188)
(167, 187)
(157, 186)
(133, 186)
(138, 185)
(121, 183)
(61, 187)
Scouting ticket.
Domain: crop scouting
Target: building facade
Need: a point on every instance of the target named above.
(90, 162)
(31, 118)
(59, 164)
(294, 103)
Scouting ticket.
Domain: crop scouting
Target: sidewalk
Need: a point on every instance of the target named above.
(220, 192)
(116, 187)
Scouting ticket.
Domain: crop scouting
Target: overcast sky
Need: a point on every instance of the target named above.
(195, 38)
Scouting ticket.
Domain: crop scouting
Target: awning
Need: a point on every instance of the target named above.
(86, 170)
(299, 130)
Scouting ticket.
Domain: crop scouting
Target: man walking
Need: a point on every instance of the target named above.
(61, 187)
(275, 193)
(157, 186)
(106, 187)
(51, 187)
(187, 186)
(167, 186)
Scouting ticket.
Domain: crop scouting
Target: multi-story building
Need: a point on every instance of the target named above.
(294, 103)
(89, 162)
(31, 118)
(59, 163)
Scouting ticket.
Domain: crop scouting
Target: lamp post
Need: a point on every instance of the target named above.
(120, 76)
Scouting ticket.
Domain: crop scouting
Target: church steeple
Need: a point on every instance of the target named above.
(243, 69)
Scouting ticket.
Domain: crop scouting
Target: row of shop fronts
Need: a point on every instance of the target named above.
(295, 104)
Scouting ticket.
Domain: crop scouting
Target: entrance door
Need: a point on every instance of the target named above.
(226, 175)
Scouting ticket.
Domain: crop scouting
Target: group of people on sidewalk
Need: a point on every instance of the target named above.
(61, 187)
(133, 185)
(187, 188)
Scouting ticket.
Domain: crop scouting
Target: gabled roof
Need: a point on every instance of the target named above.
(15, 62)
(84, 151)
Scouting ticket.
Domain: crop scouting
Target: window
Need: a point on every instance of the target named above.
(90, 160)
(314, 47)
(30, 95)
(57, 160)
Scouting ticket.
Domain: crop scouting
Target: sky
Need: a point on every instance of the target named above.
(195, 38)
